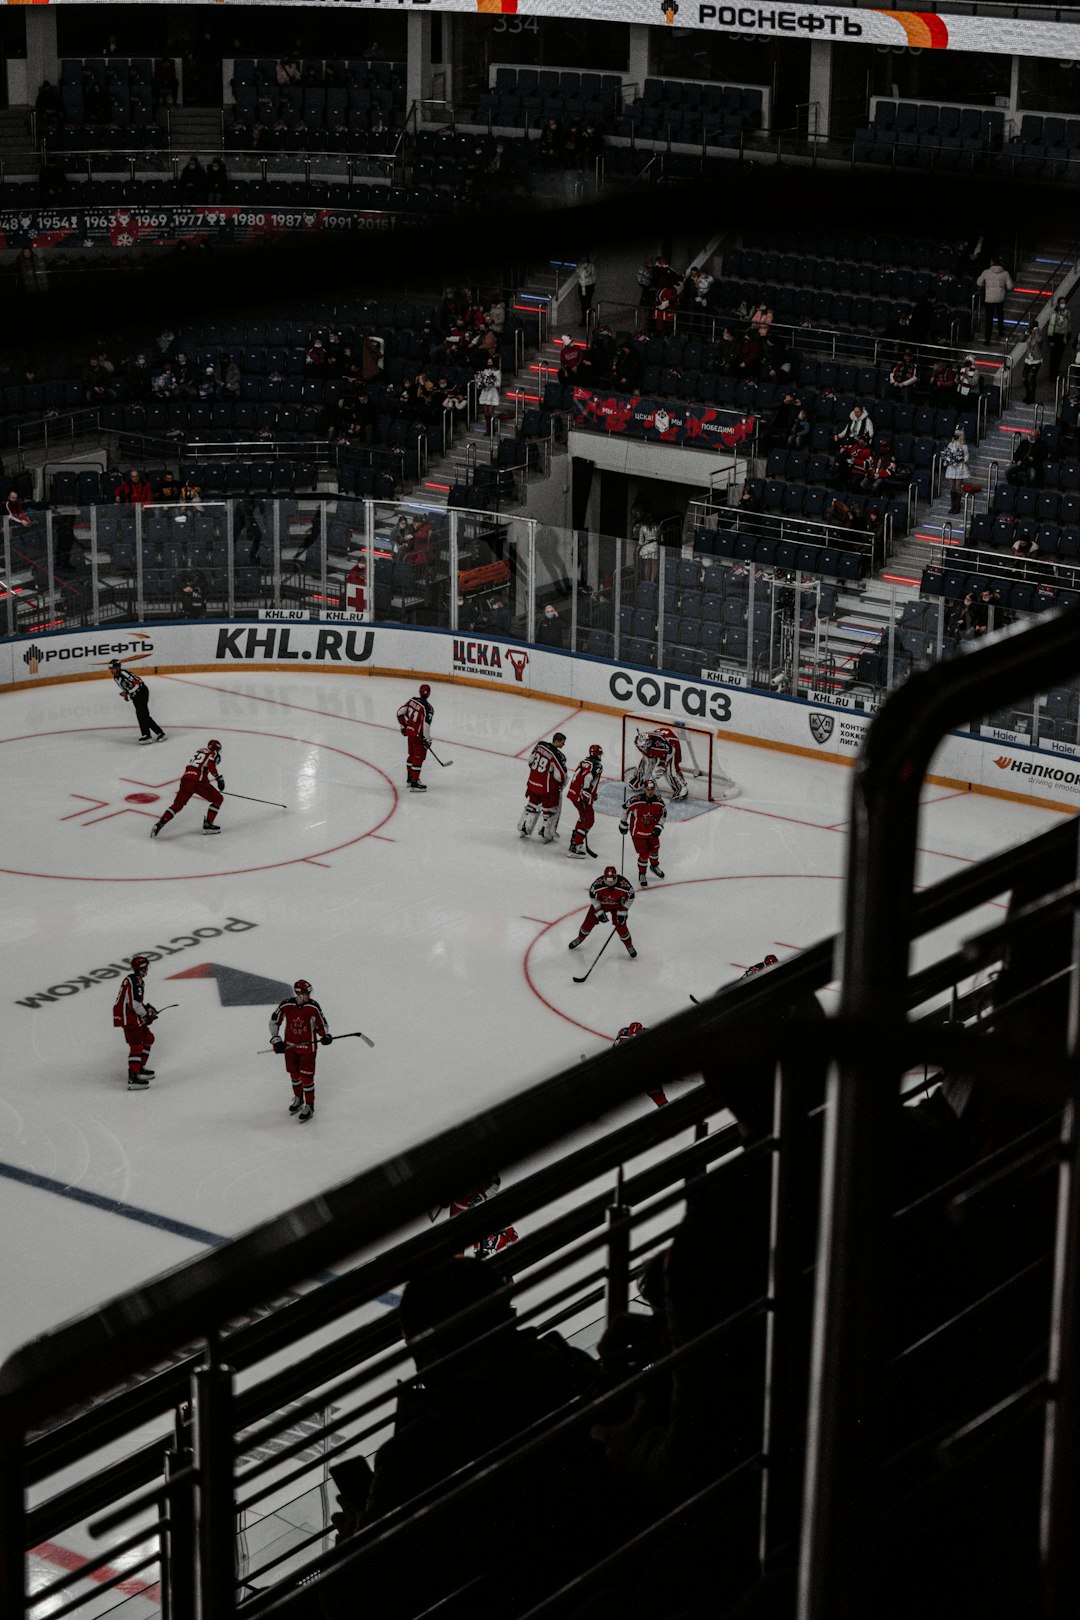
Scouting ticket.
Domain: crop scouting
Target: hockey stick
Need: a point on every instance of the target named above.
(595, 959)
(443, 762)
(589, 851)
(252, 800)
(166, 1007)
(359, 1035)
(695, 1000)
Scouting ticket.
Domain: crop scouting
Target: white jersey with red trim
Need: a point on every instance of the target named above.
(586, 782)
(630, 1033)
(547, 768)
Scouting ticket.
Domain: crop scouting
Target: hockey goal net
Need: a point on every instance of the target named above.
(700, 766)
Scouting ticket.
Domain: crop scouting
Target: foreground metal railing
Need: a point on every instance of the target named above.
(238, 1428)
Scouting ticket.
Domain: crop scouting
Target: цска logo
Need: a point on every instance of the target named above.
(821, 727)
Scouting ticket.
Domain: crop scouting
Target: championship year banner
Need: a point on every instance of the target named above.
(660, 421)
(921, 30)
(126, 228)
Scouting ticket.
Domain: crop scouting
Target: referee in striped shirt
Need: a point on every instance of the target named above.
(134, 688)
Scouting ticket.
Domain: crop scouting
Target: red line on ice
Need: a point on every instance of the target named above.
(63, 1557)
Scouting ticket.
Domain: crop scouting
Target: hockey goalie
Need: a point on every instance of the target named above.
(661, 756)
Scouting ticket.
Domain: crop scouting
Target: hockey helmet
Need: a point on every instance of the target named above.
(610, 874)
(648, 786)
(215, 745)
(425, 690)
(114, 663)
(140, 963)
(770, 961)
(595, 751)
(635, 1029)
(302, 987)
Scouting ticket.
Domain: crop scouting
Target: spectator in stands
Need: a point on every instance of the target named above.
(1028, 462)
(191, 585)
(1069, 415)
(586, 285)
(726, 356)
(47, 103)
(996, 284)
(777, 360)
(287, 71)
(967, 384)
(799, 437)
(748, 500)
(703, 285)
(903, 377)
(941, 384)
(15, 510)
(749, 358)
(627, 369)
(186, 375)
(664, 309)
(217, 180)
(883, 477)
(193, 181)
(779, 430)
(1058, 332)
(30, 271)
(646, 289)
(209, 381)
(170, 488)
(163, 383)
(482, 1379)
(315, 359)
(854, 464)
(166, 84)
(858, 427)
(134, 490)
(1022, 551)
(549, 629)
(569, 360)
(954, 459)
(1031, 362)
(499, 621)
(96, 382)
(230, 377)
(138, 376)
(761, 318)
(648, 539)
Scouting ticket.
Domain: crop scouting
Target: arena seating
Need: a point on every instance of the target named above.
(925, 134)
(527, 96)
(677, 110)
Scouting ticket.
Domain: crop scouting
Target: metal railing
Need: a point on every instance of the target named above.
(236, 1430)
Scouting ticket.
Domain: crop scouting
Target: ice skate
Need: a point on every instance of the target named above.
(656, 872)
(147, 738)
(643, 882)
(305, 1113)
(296, 1105)
(138, 1082)
(574, 943)
(160, 737)
(630, 951)
(417, 787)
(577, 854)
(156, 828)
(146, 1074)
(210, 827)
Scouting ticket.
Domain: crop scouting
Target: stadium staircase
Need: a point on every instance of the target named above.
(195, 129)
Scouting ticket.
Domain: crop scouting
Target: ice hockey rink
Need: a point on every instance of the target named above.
(423, 920)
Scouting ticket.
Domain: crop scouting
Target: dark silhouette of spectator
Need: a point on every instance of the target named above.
(549, 629)
(193, 181)
(217, 181)
(166, 84)
(482, 1379)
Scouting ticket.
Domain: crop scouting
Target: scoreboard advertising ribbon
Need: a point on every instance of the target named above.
(663, 421)
(922, 30)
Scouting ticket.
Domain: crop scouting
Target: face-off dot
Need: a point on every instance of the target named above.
(141, 798)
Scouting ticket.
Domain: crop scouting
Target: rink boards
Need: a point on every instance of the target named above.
(992, 761)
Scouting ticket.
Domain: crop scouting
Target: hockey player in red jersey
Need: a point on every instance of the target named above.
(582, 795)
(643, 819)
(760, 967)
(543, 790)
(630, 1033)
(661, 755)
(195, 783)
(305, 1027)
(496, 1241)
(133, 1014)
(415, 717)
(610, 896)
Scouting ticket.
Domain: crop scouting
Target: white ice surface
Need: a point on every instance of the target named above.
(423, 920)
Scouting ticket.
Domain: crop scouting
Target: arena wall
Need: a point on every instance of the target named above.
(995, 762)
